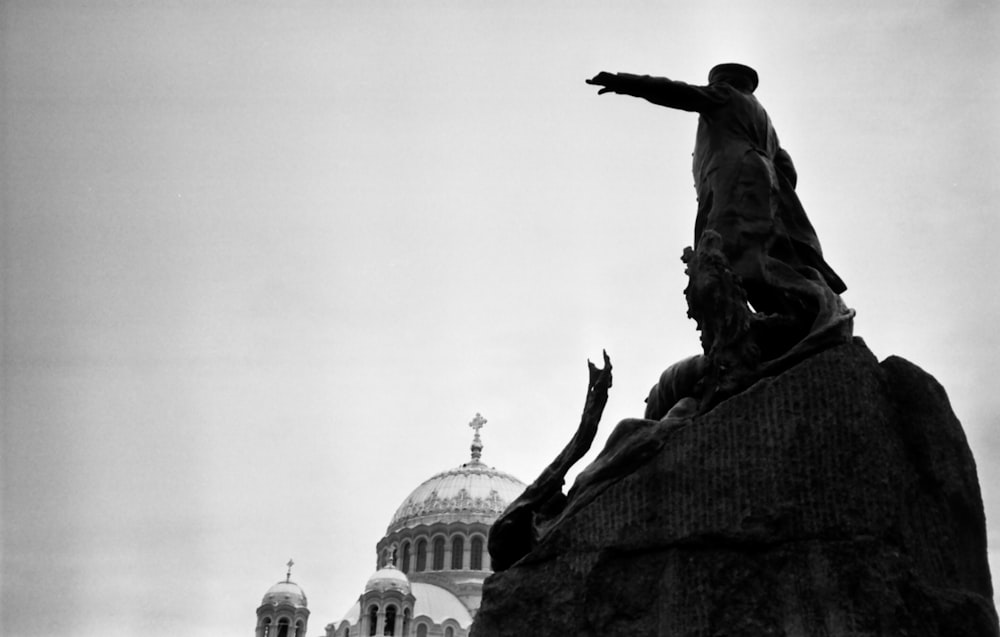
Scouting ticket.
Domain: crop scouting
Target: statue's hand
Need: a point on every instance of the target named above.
(605, 80)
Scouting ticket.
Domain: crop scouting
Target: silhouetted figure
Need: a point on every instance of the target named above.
(744, 179)
(754, 243)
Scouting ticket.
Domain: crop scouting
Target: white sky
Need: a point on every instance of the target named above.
(263, 261)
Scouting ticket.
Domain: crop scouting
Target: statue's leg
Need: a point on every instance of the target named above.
(677, 381)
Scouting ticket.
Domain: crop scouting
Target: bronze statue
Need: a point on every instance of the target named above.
(759, 289)
(744, 179)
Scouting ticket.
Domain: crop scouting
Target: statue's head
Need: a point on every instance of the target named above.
(738, 75)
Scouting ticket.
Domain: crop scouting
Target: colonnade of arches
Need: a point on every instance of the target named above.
(388, 621)
(283, 627)
(438, 552)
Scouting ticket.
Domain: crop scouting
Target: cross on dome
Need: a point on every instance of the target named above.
(477, 444)
(478, 422)
(288, 576)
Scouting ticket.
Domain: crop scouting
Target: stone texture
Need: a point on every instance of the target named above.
(839, 498)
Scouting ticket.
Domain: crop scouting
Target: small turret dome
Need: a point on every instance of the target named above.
(388, 578)
(286, 592)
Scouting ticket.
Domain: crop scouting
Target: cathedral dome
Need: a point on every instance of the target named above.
(433, 559)
(285, 592)
(472, 492)
(388, 579)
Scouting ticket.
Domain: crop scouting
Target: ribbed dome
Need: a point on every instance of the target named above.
(388, 579)
(286, 592)
(472, 492)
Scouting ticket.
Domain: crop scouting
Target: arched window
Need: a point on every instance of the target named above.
(421, 630)
(298, 629)
(439, 554)
(457, 552)
(267, 627)
(390, 621)
(372, 619)
(406, 622)
(347, 631)
(449, 632)
(283, 628)
(421, 555)
(476, 558)
(406, 558)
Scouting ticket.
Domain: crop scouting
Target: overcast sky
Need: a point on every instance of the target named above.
(263, 261)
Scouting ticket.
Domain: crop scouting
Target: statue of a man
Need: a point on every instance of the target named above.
(745, 183)
(759, 287)
(753, 245)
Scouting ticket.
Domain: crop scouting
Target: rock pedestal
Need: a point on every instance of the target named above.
(839, 498)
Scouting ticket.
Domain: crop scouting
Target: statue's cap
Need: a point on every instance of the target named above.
(733, 69)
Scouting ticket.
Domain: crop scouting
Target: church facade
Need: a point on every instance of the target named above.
(430, 564)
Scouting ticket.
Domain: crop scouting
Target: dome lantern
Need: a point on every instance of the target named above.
(477, 443)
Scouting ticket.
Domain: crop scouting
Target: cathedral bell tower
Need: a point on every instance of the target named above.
(284, 610)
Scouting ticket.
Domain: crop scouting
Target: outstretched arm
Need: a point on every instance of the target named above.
(659, 90)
